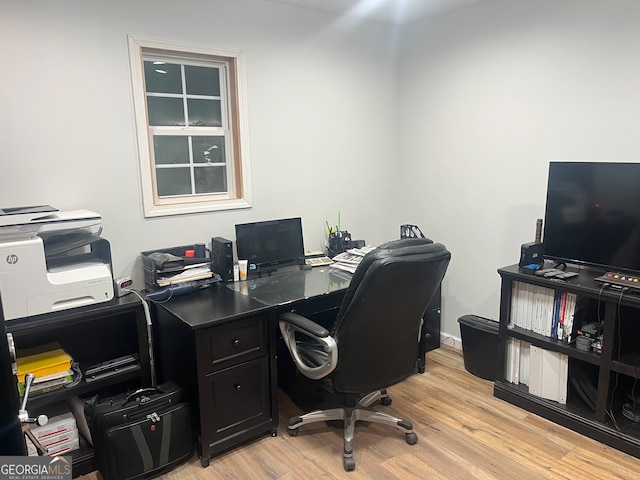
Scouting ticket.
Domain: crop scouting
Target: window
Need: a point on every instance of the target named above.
(190, 107)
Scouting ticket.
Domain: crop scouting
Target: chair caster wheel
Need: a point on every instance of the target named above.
(386, 401)
(411, 438)
(349, 463)
(293, 432)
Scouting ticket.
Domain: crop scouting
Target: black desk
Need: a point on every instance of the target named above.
(221, 345)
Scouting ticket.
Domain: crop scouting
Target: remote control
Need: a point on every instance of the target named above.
(542, 271)
(567, 275)
(553, 273)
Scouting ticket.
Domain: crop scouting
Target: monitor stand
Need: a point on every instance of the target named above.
(279, 269)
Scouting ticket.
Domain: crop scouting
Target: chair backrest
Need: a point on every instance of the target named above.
(378, 326)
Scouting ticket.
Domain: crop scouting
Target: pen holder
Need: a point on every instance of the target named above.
(339, 242)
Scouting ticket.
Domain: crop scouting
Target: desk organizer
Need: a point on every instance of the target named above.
(151, 272)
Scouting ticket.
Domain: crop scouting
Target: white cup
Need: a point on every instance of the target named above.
(243, 266)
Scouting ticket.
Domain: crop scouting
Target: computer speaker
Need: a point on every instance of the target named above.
(222, 258)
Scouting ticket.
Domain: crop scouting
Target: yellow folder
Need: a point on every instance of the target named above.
(42, 360)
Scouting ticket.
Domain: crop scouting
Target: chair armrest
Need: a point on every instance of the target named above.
(292, 323)
(305, 325)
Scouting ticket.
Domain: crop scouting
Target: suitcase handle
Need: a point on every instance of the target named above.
(140, 392)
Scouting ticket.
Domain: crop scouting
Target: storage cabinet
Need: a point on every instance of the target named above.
(238, 400)
(600, 386)
(90, 335)
(220, 346)
(431, 327)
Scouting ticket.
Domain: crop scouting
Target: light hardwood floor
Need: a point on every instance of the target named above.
(464, 433)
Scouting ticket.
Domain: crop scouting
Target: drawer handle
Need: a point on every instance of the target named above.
(235, 342)
(236, 386)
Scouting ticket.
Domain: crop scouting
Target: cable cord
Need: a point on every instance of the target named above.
(604, 285)
(147, 315)
(615, 385)
(633, 388)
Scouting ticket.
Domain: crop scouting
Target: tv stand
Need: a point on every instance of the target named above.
(599, 385)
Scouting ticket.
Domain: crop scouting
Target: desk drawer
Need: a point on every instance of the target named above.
(232, 343)
(234, 400)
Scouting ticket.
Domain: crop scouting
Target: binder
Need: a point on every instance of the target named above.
(43, 360)
(548, 374)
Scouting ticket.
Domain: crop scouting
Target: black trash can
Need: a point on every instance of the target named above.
(482, 347)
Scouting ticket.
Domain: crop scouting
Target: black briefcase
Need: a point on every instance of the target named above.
(142, 434)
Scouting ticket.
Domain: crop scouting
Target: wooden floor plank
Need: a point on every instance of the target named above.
(464, 433)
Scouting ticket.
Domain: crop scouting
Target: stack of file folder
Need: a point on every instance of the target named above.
(50, 364)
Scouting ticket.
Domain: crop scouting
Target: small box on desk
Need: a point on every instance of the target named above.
(151, 271)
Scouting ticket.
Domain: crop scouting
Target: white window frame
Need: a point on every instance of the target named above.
(235, 123)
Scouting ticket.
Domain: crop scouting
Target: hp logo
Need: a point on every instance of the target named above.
(12, 259)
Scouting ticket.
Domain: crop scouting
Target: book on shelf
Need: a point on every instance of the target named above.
(42, 361)
(48, 385)
(543, 371)
(548, 374)
(543, 310)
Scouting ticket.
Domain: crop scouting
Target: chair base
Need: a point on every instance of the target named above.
(350, 415)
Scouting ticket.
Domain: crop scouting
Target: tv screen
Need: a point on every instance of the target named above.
(270, 243)
(592, 214)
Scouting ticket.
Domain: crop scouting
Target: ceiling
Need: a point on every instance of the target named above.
(395, 12)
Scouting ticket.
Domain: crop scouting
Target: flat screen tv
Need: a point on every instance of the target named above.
(592, 215)
(271, 243)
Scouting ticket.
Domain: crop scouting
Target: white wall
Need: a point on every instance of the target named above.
(319, 110)
(489, 95)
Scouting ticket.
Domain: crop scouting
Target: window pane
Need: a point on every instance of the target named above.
(210, 179)
(170, 149)
(204, 113)
(202, 80)
(165, 78)
(173, 181)
(208, 150)
(165, 111)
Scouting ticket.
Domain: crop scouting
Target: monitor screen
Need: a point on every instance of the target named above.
(270, 243)
(593, 214)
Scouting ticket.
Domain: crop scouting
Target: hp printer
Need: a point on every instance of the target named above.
(52, 260)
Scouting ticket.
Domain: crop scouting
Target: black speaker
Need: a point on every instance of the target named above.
(222, 258)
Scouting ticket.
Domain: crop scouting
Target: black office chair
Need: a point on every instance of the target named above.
(374, 340)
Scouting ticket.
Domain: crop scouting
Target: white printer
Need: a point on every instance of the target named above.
(52, 260)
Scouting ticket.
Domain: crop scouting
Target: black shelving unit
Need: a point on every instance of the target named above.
(614, 370)
(90, 335)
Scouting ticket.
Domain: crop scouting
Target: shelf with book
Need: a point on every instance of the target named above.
(88, 335)
(590, 388)
(555, 345)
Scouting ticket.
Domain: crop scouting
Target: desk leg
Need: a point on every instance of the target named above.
(421, 364)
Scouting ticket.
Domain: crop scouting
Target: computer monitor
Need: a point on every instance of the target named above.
(270, 243)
